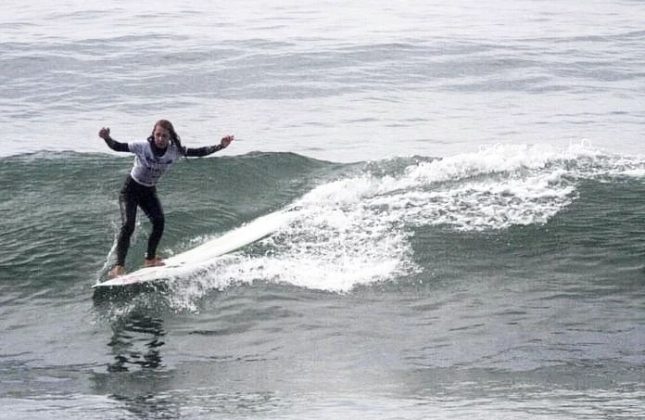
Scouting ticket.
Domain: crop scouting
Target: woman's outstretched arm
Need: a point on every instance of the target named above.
(113, 144)
(209, 150)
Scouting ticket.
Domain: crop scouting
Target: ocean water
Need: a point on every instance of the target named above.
(466, 181)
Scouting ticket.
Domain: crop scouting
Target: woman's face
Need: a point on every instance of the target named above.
(161, 136)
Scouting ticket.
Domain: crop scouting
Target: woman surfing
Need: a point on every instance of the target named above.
(152, 159)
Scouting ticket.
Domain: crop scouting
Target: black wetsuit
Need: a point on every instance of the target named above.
(135, 194)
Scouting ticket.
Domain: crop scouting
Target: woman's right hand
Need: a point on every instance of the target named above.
(104, 133)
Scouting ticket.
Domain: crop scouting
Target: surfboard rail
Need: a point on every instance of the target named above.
(194, 259)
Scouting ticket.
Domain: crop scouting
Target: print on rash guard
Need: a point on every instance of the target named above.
(148, 168)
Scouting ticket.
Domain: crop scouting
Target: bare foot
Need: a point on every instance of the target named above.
(117, 270)
(153, 262)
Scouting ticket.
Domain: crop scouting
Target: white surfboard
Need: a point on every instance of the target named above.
(192, 260)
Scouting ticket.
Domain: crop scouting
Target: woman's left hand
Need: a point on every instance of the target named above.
(226, 140)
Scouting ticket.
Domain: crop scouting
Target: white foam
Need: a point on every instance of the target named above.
(356, 230)
(635, 173)
(329, 245)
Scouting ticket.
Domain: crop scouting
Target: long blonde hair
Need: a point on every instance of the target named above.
(174, 137)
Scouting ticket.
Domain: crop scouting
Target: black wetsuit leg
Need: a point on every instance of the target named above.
(152, 208)
(135, 195)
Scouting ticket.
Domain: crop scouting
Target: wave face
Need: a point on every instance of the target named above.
(353, 224)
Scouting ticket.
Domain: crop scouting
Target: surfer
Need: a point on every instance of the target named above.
(152, 159)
